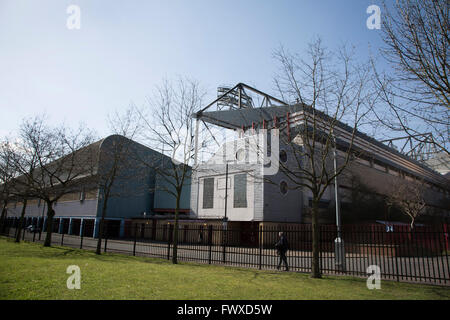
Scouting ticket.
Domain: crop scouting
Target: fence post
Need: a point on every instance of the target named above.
(62, 240)
(260, 237)
(34, 236)
(396, 248)
(210, 235)
(446, 237)
(169, 238)
(224, 244)
(135, 237)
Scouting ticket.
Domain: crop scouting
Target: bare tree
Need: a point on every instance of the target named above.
(7, 175)
(408, 197)
(52, 162)
(328, 88)
(416, 89)
(25, 162)
(119, 168)
(170, 126)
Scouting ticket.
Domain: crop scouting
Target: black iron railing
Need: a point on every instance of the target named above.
(419, 255)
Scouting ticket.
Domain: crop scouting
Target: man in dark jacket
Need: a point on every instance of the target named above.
(282, 247)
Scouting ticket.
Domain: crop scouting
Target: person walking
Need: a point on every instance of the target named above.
(282, 247)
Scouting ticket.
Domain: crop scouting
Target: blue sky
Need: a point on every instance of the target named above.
(125, 48)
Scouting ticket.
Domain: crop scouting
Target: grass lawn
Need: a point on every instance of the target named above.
(30, 271)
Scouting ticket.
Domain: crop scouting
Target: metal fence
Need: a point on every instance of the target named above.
(421, 255)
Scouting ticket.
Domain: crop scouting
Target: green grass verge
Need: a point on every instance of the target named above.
(30, 271)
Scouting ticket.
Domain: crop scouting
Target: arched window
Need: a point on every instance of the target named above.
(240, 155)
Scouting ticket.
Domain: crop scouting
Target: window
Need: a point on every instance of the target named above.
(283, 187)
(240, 191)
(240, 154)
(208, 193)
(363, 162)
(379, 167)
(269, 143)
(394, 172)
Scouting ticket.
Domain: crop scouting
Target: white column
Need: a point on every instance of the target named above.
(96, 226)
(60, 225)
(81, 227)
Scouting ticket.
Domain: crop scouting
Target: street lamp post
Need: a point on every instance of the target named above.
(225, 218)
(226, 193)
(339, 249)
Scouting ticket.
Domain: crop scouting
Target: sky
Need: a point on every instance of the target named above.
(124, 48)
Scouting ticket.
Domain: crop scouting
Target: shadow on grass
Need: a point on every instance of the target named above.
(251, 272)
(37, 250)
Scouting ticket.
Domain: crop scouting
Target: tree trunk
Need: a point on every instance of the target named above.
(50, 215)
(412, 224)
(315, 267)
(22, 215)
(411, 230)
(175, 230)
(3, 218)
(101, 228)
